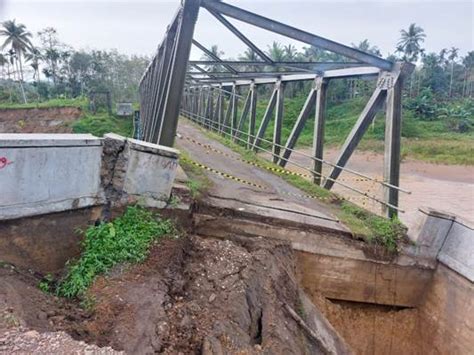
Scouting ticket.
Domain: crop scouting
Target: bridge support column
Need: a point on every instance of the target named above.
(253, 113)
(266, 118)
(280, 93)
(183, 41)
(318, 138)
(393, 134)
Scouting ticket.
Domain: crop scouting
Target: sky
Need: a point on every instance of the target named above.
(136, 27)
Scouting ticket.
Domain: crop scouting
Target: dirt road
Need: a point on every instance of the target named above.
(447, 188)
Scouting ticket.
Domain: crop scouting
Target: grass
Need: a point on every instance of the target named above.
(102, 123)
(198, 182)
(125, 239)
(366, 225)
(374, 229)
(429, 141)
(97, 124)
(81, 102)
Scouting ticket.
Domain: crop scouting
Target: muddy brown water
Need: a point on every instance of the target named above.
(447, 188)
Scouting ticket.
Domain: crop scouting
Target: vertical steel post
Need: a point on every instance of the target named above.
(235, 102)
(226, 123)
(253, 113)
(318, 137)
(210, 109)
(184, 38)
(280, 94)
(393, 133)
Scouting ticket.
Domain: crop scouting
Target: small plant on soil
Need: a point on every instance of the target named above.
(198, 182)
(174, 201)
(46, 283)
(126, 239)
(375, 229)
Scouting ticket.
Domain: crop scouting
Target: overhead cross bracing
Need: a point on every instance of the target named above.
(211, 89)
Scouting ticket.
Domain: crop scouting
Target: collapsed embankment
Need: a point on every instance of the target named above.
(217, 294)
(192, 295)
(38, 120)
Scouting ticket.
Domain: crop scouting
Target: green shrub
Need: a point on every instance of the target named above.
(374, 229)
(126, 239)
(102, 123)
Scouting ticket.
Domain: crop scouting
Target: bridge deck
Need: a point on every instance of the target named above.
(273, 197)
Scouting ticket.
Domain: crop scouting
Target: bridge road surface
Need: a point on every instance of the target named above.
(278, 199)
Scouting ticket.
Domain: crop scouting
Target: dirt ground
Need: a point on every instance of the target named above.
(191, 296)
(38, 120)
(31, 321)
(374, 329)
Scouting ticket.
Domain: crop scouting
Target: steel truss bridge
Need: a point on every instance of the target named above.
(208, 92)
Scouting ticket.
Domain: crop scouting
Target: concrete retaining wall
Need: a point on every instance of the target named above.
(44, 173)
(444, 237)
(52, 184)
(447, 314)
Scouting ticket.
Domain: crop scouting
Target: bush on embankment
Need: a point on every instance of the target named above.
(125, 239)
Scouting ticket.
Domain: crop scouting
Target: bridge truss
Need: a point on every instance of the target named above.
(208, 92)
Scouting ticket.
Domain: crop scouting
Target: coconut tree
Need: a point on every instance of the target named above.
(276, 51)
(217, 53)
(19, 40)
(410, 46)
(410, 43)
(250, 56)
(34, 57)
(3, 64)
(468, 63)
(291, 52)
(453, 54)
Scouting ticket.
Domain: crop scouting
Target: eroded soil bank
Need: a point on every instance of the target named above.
(192, 295)
(39, 120)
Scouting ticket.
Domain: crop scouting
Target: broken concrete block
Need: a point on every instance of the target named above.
(138, 171)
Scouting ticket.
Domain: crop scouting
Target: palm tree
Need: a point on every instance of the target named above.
(34, 56)
(52, 56)
(276, 51)
(218, 53)
(250, 56)
(291, 52)
(312, 54)
(453, 54)
(367, 47)
(410, 42)
(3, 63)
(468, 62)
(19, 39)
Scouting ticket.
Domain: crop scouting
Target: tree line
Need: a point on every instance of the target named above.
(58, 70)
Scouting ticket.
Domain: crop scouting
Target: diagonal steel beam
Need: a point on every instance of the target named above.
(363, 122)
(292, 32)
(298, 127)
(244, 114)
(213, 56)
(266, 118)
(239, 34)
